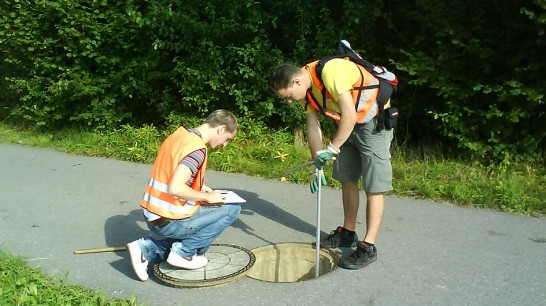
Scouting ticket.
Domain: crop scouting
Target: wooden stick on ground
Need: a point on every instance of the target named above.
(101, 250)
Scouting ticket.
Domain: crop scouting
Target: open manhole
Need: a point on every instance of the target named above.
(291, 262)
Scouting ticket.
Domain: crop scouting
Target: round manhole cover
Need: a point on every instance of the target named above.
(226, 263)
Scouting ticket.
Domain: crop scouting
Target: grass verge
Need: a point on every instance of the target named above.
(257, 151)
(22, 285)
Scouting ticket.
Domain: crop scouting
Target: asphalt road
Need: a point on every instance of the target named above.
(429, 253)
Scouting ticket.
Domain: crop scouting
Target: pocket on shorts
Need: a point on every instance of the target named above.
(381, 179)
(383, 155)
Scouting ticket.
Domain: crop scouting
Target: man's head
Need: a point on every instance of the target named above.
(289, 82)
(223, 125)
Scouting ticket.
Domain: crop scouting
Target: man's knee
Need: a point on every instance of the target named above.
(232, 210)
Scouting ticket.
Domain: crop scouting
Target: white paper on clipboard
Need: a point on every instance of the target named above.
(232, 197)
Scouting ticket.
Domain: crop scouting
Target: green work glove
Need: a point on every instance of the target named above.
(323, 156)
(313, 184)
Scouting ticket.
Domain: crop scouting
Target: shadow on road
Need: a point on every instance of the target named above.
(121, 229)
(266, 209)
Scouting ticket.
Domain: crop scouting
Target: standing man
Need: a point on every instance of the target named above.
(359, 148)
(177, 205)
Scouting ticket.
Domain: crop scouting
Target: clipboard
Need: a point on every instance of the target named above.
(232, 197)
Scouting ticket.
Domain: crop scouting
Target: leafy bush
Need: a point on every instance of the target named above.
(477, 71)
(62, 60)
(470, 73)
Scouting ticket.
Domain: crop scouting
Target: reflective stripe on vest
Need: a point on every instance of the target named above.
(156, 198)
(157, 195)
(365, 106)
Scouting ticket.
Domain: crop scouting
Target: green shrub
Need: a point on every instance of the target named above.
(470, 73)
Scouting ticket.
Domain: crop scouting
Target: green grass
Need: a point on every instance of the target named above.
(22, 285)
(257, 151)
(518, 189)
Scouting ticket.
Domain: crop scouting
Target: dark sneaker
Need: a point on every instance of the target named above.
(360, 258)
(339, 238)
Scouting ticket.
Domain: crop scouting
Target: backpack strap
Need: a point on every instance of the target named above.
(318, 73)
(367, 65)
(385, 88)
(384, 94)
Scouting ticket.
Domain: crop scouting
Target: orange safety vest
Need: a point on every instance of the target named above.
(156, 198)
(364, 93)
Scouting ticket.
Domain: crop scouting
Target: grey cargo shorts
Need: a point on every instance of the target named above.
(366, 153)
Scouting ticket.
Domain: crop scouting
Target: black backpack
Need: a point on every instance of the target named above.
(388, 83)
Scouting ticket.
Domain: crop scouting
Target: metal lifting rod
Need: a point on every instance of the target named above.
(317, 255)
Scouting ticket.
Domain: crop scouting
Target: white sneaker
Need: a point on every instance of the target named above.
(140, 264)
(195, 262)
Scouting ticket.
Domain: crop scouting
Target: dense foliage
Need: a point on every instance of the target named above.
(471, 72)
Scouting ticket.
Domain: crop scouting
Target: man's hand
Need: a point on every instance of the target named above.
(216, 197)
(323, 156)
(314, 184)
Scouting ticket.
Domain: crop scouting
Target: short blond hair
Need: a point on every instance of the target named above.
(223, 117)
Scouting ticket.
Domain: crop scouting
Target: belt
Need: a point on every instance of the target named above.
(161, 222)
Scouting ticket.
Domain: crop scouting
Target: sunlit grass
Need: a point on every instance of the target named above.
(22, 285)
(257, 151)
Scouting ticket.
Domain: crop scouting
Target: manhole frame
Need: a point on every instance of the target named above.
(335, 257)
(175, 282)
